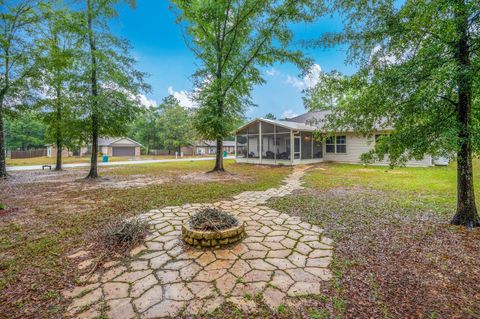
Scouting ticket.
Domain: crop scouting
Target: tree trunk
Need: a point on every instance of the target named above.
(3, 163)
(94, 93)
(219, 157)
(58, 133)
(58, 165)
(466, 210)
(93, 160)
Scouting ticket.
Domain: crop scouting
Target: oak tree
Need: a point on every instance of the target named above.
(17, 61)
(233, 40)
(110, 78)
(419, 64)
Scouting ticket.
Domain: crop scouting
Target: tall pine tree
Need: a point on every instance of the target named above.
(17, 61)
(110, 78)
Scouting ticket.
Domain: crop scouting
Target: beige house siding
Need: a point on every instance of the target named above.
(105, 150)
(357, 145)
(52, 151)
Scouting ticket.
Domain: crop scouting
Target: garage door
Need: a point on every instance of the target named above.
(123, 151)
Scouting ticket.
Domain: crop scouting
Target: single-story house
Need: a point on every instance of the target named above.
(115, 146)
(292, 141)
(208, 147)
(52, 151)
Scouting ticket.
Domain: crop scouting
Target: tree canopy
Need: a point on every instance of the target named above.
(17, 61)
(25, 132)
(111, 83)
(174, 125)
(58, 63)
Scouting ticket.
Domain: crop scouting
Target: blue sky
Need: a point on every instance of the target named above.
(160, 50)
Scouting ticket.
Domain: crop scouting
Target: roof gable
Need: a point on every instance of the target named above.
(109, 141)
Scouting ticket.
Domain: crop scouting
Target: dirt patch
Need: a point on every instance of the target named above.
(202, 177)
(122, 182)
(53, 213)
(395, 257)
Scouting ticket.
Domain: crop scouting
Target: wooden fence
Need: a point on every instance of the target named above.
(29, 154)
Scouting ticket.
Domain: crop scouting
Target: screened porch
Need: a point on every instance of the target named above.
(277, 142)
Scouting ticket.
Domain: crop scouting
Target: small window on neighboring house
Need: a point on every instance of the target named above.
(330, 144)
(341, 144)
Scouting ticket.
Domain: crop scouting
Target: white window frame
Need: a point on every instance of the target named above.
(335, 144)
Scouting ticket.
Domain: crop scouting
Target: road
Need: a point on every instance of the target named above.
(139, 162)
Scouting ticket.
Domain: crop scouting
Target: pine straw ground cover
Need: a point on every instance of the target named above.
(51, 214)
(396, 254)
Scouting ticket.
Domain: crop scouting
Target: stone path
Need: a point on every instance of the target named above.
(281, 257)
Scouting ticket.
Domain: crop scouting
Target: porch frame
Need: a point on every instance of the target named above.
(261, 160)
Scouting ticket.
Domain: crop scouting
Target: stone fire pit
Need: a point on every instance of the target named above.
(212, 228)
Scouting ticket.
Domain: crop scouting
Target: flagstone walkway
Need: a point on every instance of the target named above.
(281, 257)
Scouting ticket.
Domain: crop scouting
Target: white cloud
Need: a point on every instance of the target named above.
(289, 114)
(184, 97)
(311, 78)
(272, 72)
(308, 81)
(295, 82)
(146, 102)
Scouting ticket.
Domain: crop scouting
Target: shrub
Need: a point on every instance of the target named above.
(212, 219)
(3, 206)
(124, 234)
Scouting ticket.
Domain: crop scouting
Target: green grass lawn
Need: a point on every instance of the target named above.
(427, 180)
(53, 213)
(396, 254)
(80, 159)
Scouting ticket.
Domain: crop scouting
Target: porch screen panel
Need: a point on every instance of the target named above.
(253, 141)
(317, 149)
(268, 141)
(242, 146)
(306, 149)
(282, 143)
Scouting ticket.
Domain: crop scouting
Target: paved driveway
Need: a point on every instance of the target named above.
(39, 167)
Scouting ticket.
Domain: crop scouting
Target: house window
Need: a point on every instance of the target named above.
(330, 144)
(336, 144)
(341, 144)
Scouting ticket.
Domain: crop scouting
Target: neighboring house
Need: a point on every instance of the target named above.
(208, 147)
(52, 151)
(115, 146)
(291, 142)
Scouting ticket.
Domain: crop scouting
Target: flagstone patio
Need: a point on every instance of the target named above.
(281, 257)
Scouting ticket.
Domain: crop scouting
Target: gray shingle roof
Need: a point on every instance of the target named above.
(310, 121)
(107, 141)
(310, 117)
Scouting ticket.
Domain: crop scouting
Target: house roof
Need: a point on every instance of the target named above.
(310, 117)
(286, 124)
(309, 122)
(107, 141)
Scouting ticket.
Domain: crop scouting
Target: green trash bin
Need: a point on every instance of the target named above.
(105, 158)
(225, 153)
